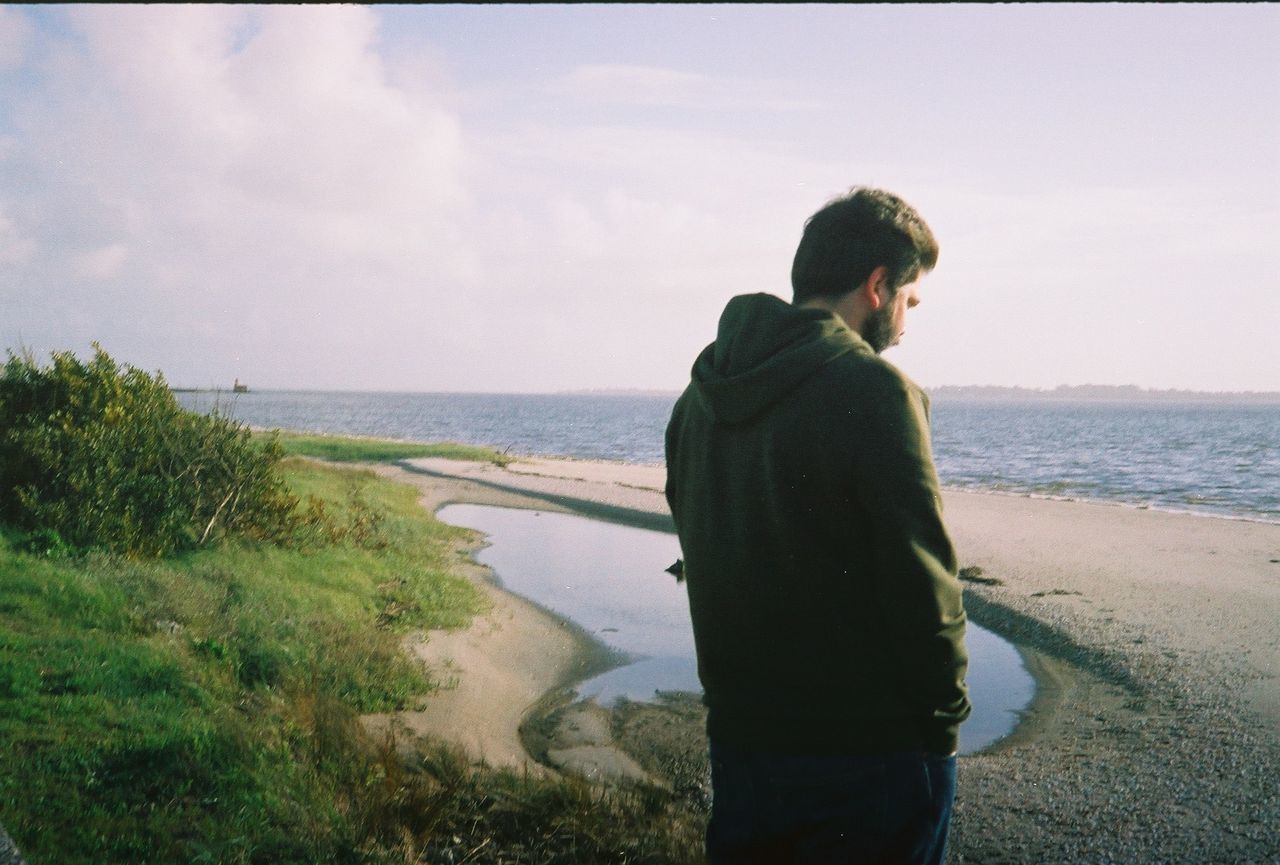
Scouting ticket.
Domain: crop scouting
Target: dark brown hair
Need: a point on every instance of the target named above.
(852, 236)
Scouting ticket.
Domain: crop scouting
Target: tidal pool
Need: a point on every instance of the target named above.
(611, 580)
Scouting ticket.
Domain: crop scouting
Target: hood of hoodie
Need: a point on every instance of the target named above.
(764, 348)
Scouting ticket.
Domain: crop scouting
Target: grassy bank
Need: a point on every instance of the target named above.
(190, 709)
(353, 449)
(204, 707)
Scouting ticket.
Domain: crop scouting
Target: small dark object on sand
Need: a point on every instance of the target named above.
(973, 574)
(677, 570)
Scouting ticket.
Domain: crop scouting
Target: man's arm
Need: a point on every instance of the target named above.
(669, 452)
(912, 560)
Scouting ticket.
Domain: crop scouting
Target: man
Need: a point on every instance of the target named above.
(822, 583)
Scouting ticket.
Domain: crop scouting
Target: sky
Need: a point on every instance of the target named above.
(544, 198)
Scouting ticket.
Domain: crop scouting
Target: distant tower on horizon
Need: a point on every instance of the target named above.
(239, 388)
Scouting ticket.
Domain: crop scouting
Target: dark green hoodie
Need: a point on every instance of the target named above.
(826, 610)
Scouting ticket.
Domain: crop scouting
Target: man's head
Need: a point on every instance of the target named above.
(870, 241)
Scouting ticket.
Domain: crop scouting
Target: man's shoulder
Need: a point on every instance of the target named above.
(870, 376)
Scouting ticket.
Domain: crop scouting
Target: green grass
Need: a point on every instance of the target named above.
(202, 708)
(349, 449)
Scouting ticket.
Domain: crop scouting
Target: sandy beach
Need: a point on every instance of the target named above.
(1154, 639)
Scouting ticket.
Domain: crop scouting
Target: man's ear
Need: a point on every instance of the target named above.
(877, 287)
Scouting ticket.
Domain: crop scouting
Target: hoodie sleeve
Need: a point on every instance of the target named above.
(670, 439)
(913, 563)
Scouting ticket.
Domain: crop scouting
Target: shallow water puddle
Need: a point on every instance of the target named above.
(610, 580)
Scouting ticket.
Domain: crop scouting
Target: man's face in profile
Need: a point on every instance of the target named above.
(885, 326)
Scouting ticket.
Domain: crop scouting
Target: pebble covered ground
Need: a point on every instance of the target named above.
(1145, 754)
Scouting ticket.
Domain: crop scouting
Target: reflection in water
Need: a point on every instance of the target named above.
(610, 579)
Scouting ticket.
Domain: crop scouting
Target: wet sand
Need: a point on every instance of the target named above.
(1154, 639)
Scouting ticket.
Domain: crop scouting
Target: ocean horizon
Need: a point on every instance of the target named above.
(1087, 392)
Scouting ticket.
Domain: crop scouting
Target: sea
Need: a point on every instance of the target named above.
(1218, 459)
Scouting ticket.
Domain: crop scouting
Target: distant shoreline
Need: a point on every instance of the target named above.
(1101, 393)
(986, 393)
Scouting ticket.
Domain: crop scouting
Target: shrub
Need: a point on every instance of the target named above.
(102, 456)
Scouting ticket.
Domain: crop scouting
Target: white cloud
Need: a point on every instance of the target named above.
(298, 118)
(201, 175)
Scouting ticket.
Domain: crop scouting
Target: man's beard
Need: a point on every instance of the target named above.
(878, 329)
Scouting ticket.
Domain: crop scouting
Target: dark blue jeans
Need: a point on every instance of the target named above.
(882, 809)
